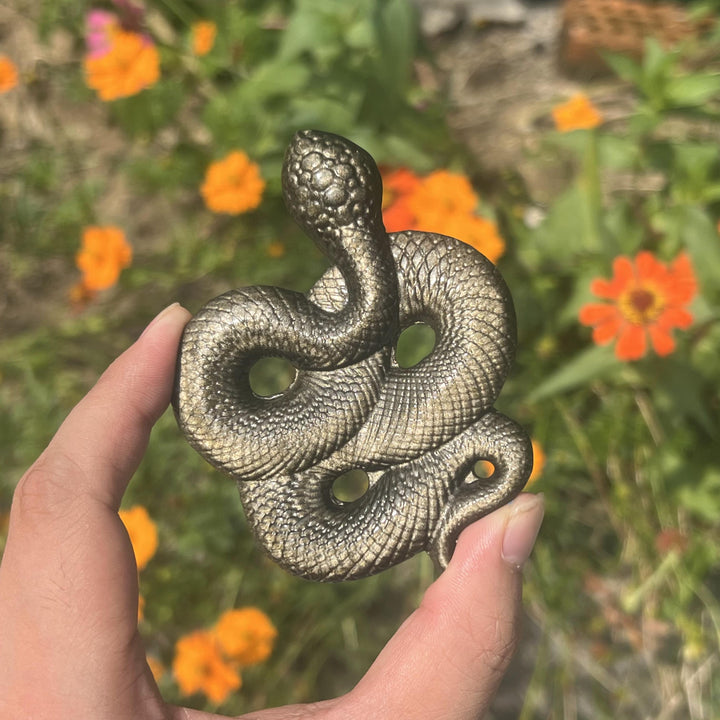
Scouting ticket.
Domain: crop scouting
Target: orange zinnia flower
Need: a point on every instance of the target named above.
(439, 195)
(398, 185)
(198, 666)
(578, 113)
(648, 299)
(538, 463)
(8, 74)
(476, 231)
(203, 36)
(131, 64)
(275, 249)
(143, 533)
(233, 185)
(104, 253)
(246, 635)
(156, 667)
(443, 203)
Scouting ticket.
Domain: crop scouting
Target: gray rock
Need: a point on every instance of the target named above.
(439, 16)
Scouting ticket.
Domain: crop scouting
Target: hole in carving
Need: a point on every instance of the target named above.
(271, 376)
(482, 470)
(350, 486)
(414, 344)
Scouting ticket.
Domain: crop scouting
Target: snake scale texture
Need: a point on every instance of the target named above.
(417, 432)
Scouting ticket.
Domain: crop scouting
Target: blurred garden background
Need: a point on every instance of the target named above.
(575, 143)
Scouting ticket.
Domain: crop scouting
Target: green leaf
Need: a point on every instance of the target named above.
(273, 79)
(624, 67)
(682, 391)
(573, 224)
(589, 365)
(396, 28)
(700, 236)
(711, 193)
(703, 497)
(692, 90)
(617, 152)
(656, 60)
(329, 113)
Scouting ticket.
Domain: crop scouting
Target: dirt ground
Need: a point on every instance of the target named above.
(503, 80)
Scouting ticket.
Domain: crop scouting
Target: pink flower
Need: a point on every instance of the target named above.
(98, 37)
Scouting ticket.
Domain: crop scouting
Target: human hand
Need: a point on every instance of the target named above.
(69, 643)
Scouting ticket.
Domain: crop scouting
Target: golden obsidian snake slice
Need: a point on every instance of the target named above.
(417, 432)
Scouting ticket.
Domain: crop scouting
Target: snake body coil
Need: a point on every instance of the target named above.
(417, 431)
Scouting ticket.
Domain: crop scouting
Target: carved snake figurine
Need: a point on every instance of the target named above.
(417, 432)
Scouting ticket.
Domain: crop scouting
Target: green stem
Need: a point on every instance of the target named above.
(183, 12)
(632, 601)
(590, 185)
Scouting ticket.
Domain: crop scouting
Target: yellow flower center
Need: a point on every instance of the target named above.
(641, 305)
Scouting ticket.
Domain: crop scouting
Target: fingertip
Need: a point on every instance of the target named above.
(508, 534)
(525, 518)
(170, 320)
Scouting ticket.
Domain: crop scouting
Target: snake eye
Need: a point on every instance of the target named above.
(414, 344)
(350, 486)
(271, 376)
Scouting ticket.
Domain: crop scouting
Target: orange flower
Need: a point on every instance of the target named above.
(8, 74)
(199, 667)
(648, 299)
(476, 231)
(275, 249)
(203, 36)
(439, 195)
(130, 65)
(538, 463)
(233, 185)
(398, 216)
(671, 539)
(443, 203)
(578, 113)
(143, 533)
(398, 185)
(156, 667)
(104, 253)
(245, 635)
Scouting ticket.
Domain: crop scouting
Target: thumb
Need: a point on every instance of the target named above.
(448, 658)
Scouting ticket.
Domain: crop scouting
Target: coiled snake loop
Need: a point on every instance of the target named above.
(417, 431)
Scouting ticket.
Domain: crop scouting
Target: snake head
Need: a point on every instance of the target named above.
(329, 183)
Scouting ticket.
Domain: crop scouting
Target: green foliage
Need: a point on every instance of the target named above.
(631, 446)
(634, 445)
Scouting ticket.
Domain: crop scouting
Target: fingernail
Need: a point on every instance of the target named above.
(523, 525)
(163, 313)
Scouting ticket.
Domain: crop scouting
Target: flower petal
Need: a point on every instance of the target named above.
(662, 341)
(675, 317)
(623, 275)
(596, 313)
(606, 331)
(605, 289)
(623, 270)
(684, 283)
(648, 267)
(632, 343)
